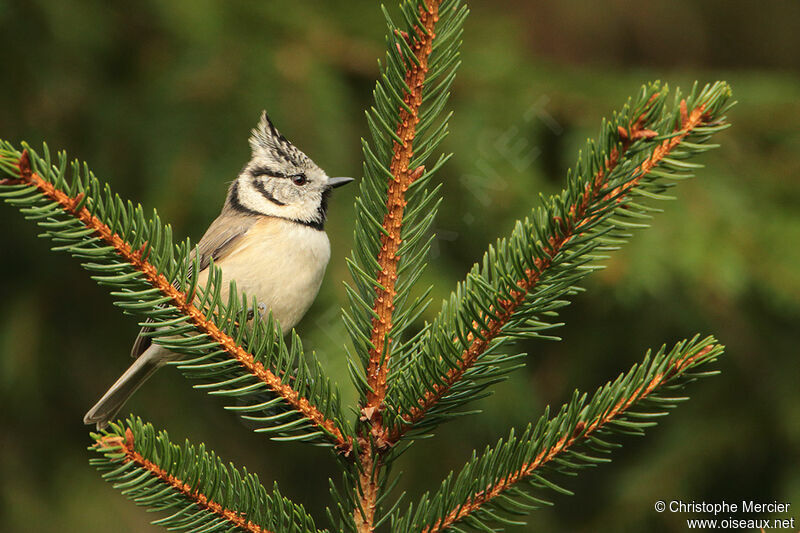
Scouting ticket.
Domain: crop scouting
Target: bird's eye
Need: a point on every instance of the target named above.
(299, 179)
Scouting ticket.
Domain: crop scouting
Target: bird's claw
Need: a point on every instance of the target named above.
(262, 311)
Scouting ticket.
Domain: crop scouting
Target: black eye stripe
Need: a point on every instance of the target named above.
(265, 171)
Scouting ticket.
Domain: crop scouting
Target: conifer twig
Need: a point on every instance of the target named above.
(126, 447)
(401, 178)
(201, 492)
(557, 441)
(74, 206)
(569, 228)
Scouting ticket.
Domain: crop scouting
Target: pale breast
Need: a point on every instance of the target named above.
(279, 262)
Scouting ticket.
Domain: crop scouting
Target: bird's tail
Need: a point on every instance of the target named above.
(112, 401)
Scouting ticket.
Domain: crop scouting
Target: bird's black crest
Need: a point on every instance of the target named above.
(266, 137)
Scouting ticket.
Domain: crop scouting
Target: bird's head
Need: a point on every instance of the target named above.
(281, 181)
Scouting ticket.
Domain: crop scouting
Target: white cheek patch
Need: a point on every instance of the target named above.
(296, 204)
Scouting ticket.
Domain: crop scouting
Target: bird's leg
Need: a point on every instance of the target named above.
(262, 311)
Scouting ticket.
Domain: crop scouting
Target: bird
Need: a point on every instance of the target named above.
(269, 238)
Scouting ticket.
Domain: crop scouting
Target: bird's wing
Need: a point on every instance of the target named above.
(219, 240)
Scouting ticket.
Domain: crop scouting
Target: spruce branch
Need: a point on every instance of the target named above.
(420, 47)
(407, 383)
(394, 212)
(524, 279)
(196, 487)
(137, 258)
(507, 480)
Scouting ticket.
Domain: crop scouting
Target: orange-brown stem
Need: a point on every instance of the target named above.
(402, 178)
(421, 44)
(181, 302)
(127, 446)
(570, 227)
(581, 432)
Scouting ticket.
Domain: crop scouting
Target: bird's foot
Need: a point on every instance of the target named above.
(262, 312)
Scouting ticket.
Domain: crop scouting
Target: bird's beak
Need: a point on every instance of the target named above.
(338, 182)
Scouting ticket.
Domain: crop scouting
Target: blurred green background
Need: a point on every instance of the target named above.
(159, 96)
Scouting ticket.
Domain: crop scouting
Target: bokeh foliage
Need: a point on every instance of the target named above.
(159, 97)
